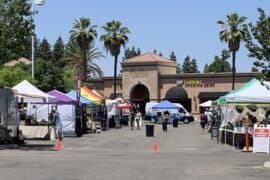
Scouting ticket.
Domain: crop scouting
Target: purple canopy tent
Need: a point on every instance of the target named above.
(61, 98)
(66, 108)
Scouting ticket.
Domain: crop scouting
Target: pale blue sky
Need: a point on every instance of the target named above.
(182, 26)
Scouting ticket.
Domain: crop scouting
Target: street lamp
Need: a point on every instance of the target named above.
(40, 3)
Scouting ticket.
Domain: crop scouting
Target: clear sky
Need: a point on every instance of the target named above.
(187, 27)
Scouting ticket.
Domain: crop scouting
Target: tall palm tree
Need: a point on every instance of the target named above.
(75, 58)
(232, 33)
(114, 38)
(83, 33)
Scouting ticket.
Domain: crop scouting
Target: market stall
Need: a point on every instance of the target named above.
(243, 108)
(35, 126)
(67, 110)
(124, 113)
(84, 112)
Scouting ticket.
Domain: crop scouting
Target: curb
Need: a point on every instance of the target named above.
(266, 164)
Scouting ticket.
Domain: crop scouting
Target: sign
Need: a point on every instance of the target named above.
(261, 139)
(199, 83)
(261, 132)
(79, 84)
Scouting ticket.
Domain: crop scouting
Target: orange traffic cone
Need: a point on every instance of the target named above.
(58, 145)
(155, 147)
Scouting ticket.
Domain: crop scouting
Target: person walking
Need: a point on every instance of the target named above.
(203, 121)
(165, 119)
(209, 115)
(138, 119)
(132, 117)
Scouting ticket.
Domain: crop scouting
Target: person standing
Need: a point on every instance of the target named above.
(165, 119)
(58, 125)
(203, 120)
(209, 115)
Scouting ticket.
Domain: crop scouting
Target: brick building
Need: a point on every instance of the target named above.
(150, 77)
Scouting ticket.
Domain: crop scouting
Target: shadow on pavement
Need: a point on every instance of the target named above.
(29, 147)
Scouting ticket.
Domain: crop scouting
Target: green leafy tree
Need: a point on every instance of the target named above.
(83, 34)
(114, 38)
(69, 78)
(205, 69)
(194, 66)
(10, 76)
(254, 69)
(186, 65)
(59, 52)
(233, 31)
(129, 53)
(75, 58)
(178, 68)
(43, 50)
(173, 57)
(258, 43)
(15, 29)
(189, 66)
(220, 63)
(48, 75)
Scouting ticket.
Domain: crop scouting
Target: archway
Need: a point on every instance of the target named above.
(178, 94)
(139, 94)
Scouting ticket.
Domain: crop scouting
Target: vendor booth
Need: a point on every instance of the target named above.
(67, 110)
(84, 112)
(34, 126)
(241, 110)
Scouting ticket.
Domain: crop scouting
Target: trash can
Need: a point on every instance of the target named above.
(175, 123)
(214, 132)
(117, 122)
(149, 130)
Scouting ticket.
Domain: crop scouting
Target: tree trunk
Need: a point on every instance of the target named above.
(84, 66)
(233, 68)
(115, 76)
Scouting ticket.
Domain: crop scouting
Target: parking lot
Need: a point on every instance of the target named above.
(182, 153)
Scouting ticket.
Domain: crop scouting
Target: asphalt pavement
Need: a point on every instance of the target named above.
(123, 154)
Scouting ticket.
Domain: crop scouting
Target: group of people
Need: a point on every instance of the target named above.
(135, 117)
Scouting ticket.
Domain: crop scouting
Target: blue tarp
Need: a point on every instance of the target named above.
(73, 95)
(165, 105)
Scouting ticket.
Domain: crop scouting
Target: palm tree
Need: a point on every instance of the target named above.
(76, 58)
(232, 33)
(83, 33)
(115, 36)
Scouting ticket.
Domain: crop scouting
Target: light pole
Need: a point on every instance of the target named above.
(40, 3)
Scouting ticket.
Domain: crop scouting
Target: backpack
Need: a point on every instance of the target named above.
(203, 118)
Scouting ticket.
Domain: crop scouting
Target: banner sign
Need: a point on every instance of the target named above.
(79, 84)
(199, 83)
(262, 132)
(261, 139)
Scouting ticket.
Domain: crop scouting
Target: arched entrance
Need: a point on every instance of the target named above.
(178, 94)
(139, 94)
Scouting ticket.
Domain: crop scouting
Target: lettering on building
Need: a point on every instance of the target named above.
(199, 83)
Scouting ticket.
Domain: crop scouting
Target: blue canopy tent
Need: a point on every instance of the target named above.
(73, 95)
(165, 105)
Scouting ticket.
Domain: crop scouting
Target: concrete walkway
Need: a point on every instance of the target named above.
(183, 153)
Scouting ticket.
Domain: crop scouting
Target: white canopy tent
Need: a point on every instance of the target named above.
(251, 92)
(32, 94)
(206, 104)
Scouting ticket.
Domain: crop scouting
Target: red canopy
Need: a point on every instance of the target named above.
(124, 106)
